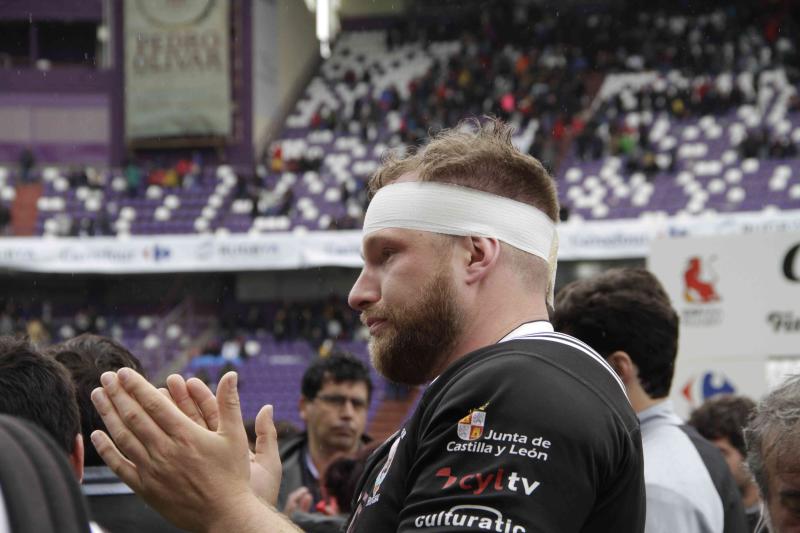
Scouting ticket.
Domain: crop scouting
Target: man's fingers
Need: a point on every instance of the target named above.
(305, 502)
(140, 404)
(267, 459)
(117, 462)
(125, 439)
(180, 395)
(230, 411)
(205, 401)
(296, 500)
(266, 436)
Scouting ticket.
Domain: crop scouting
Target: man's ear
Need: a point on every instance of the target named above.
(76, 457)
(484, 253)
(623, 365)
(301, 407)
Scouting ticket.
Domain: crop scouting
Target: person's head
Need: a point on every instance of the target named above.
(627, 317)
(444, 254)
(773, 438)
(340, 479)
(336, 391)
(86, 357)
(721, 420)
(36, 387)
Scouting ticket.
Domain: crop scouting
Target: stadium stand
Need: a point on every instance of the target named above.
(659, 130)
(571, 97)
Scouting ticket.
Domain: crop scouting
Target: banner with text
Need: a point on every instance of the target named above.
(177, 68)
(614, 239)
(738, 299)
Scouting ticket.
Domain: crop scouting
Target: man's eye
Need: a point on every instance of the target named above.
(792, 503)
(386, 253)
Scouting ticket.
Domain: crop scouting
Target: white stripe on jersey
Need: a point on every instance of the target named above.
(543, 330)
(570, 341)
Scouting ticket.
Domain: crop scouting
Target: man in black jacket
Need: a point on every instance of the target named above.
(335, 397)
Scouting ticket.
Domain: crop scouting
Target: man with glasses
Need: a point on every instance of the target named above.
(335, 396)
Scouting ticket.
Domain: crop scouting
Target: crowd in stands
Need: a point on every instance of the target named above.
(184, 172)
(320, 323)
(24, 318)
(533, 67)
(522, 62)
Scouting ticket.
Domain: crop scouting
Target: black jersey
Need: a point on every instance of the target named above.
(530, 435)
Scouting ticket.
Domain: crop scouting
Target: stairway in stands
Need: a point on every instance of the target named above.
(24, 209)
(391, 414)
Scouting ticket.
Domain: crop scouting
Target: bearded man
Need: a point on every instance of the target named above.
(521, 430)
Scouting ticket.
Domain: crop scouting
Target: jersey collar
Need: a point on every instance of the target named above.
(528, 328)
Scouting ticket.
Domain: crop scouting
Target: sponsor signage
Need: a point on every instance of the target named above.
(738, 299)
(177, 68)
(475, 436)
(479, 482)
(469, 517)
(195, 253)
(578, 241)
(632, 238)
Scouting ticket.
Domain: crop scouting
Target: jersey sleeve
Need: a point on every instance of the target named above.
(518, 446)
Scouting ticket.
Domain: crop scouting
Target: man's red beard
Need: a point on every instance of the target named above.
(414, 341)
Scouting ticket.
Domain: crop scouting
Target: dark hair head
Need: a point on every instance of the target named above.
(338, 482)
(87, 357)
(337, 367)
(724, 416)
(624, 309)
(37, 388)
(343, 474)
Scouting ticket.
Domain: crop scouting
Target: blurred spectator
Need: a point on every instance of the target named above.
(627, 317)
(26, 163)
(113, 504)
(77, 177)
(339, 485)
(37, 333)
(721, 420)
(170, 178)
(95, 179)
(38, 388)
(5, 220)
(773, 438)
(335, 396)
(133, 178)
(231, 349)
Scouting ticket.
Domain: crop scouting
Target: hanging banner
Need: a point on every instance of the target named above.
(177, 68)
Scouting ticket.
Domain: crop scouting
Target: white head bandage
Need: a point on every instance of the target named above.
(455, 210)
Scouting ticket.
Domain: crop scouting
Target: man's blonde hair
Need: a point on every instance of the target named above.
(481, 156)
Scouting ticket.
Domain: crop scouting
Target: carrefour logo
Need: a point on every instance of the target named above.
(710, 383)
(157, 253)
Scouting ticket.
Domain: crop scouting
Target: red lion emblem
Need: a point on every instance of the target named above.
(697, 289)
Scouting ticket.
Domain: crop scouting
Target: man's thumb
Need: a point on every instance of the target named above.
(266, 434)
(230, 412)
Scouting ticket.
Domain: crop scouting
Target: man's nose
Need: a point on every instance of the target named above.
(365, 291)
